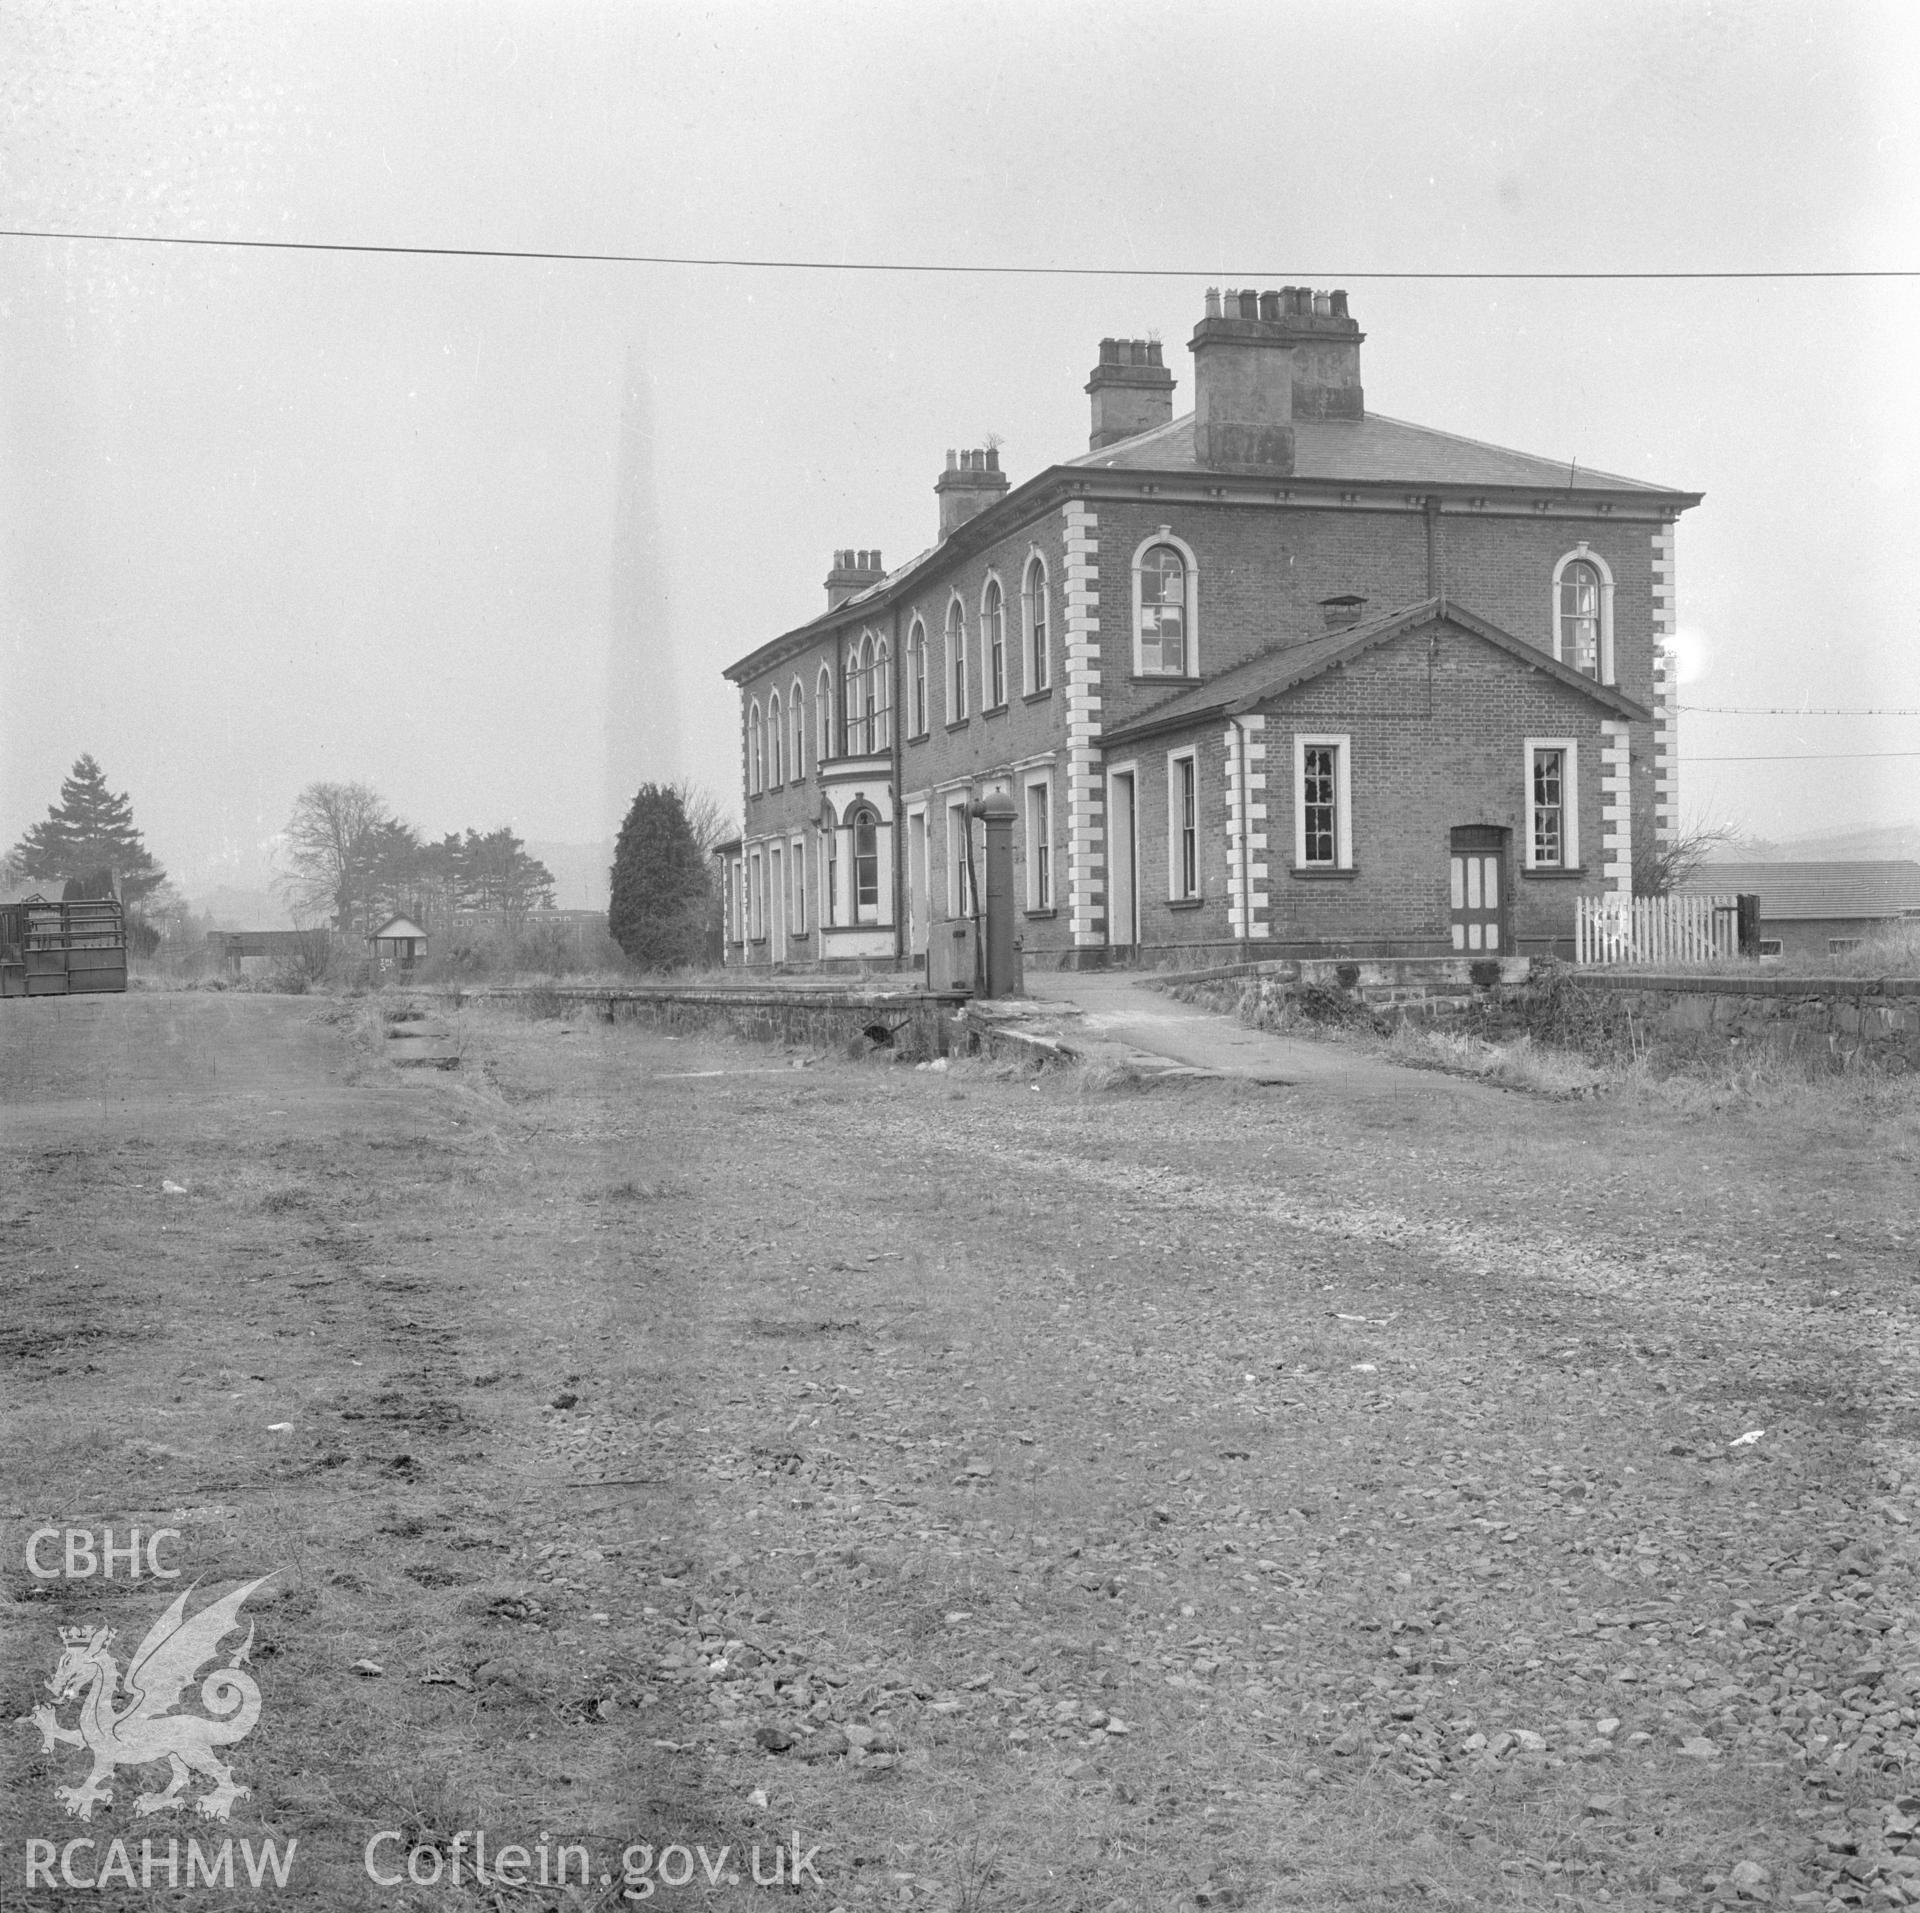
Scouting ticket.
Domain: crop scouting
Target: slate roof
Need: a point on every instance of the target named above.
(1277, 670)
(1374, 450)
(1871, 891)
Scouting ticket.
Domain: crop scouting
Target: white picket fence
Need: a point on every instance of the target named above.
(1655, 930)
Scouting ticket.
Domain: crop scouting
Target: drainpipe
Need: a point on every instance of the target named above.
(1431, 510)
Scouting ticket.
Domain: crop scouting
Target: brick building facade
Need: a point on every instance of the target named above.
(1277, 677)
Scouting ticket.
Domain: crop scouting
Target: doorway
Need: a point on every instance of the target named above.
(919, 894)
(1477, 889)
(1123, 863)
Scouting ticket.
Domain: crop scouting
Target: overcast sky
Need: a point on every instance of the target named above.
(484, 532)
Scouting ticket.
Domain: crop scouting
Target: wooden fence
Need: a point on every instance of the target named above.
(1655, 930)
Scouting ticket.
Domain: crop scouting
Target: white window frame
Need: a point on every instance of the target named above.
(797, 886)
(1030, 679)
(988, 702)
(1569, 801)
(854, 667)
(756, 896)
(823, 714)
(917, 725)
(1165, 536)
(756, 749)
(959, 828)
(797, 731)
(1177, 826)
(1584, 554)
(954, 648)
(1039, 884)
(1770, 949)
(776, 741)
(880, 698)
(1342, 746)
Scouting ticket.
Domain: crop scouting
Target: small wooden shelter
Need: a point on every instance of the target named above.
(399, 943)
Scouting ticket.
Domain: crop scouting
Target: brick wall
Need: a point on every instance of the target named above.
(1420, 764)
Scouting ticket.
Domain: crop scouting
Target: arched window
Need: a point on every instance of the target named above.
(866, 859)
(1162, 602)
(823, 716)
(797, 731)
(1577, 633)
(956, 663)
(854, 702)
(993, 646)
(917, 680)
(756, 749)
(774, 741)
(880, 696)
(1039, 660)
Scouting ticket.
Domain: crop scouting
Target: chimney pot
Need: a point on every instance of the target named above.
(1213, 302)
(1322, 306)
(1269, 305)
(1338, 301)
(966, 487)
(1243, 390)
(993, 458)
(1132, 391)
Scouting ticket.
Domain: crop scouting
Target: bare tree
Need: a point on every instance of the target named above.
(709, 817)
(335, 843)
(1659, 869)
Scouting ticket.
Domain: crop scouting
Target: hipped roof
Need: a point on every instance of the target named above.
(1369, 451)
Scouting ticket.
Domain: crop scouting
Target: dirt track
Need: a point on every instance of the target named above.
(1139, 1497)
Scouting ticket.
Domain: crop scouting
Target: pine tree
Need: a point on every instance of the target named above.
(91, 829)
(658, 909)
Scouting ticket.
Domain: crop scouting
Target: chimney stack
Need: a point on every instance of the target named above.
(971, 482)
(1242, 386)
(852, 571)
(1246, 348)
(1132, 390)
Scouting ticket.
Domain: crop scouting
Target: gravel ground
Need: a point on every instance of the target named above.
(1041, 1495)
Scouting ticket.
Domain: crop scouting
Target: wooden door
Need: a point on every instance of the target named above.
(1477, 891)
(1123, 901)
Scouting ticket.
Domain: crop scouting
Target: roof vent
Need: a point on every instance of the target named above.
(1342, 611)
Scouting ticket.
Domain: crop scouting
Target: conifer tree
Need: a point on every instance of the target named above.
(658, 910)
(91, 829)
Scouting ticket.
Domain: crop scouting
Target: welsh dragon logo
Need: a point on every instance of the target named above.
(131, 1723)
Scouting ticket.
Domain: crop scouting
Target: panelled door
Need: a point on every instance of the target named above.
(1477, 890)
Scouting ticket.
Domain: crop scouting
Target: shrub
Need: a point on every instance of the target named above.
(661, 888)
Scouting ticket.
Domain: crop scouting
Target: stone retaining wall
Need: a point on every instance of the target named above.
(1877, 1018)
(916, 1024)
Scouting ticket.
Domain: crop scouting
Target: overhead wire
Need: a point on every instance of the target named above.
(563, 255)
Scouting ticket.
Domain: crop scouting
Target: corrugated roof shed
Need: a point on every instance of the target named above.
(1869, 891)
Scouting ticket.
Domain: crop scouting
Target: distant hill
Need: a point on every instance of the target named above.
(579, 873)
(1845, 846)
